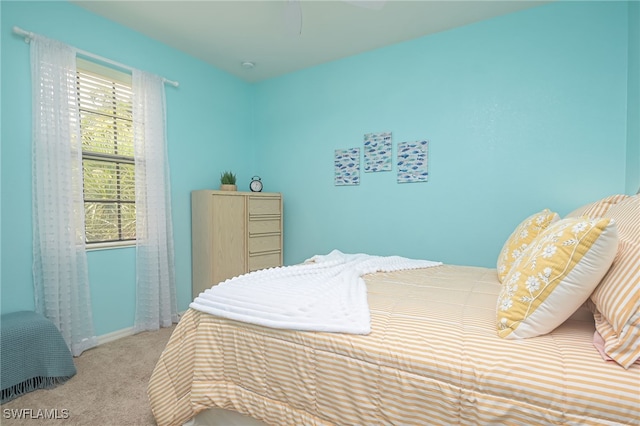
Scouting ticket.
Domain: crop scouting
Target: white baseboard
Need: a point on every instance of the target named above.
(119, 334)
(115, 335)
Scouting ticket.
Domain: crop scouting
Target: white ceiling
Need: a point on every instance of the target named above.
(227, 33)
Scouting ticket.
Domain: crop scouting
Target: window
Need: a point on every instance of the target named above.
(106, 124)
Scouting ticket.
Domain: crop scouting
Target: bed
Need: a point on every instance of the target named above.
(433, 356)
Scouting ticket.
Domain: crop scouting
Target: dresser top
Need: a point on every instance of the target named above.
(237, 193)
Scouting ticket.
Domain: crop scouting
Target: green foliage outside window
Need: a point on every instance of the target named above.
(106, 122)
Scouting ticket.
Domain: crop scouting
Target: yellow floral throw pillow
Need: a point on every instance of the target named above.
(520, 239)
(555, 274)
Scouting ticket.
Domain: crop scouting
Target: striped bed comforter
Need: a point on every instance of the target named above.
(433, 357)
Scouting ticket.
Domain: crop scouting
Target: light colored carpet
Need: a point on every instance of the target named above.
(110, 387)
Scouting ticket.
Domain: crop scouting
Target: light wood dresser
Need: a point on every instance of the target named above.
(233, 233)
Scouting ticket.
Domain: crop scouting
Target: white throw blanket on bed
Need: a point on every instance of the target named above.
(326, 293)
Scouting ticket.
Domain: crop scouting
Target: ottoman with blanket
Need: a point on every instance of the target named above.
(33, 355)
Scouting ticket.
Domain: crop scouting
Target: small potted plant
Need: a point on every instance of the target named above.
(228, 182)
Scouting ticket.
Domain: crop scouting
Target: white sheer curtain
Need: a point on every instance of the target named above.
(60, 272)
(156, 304)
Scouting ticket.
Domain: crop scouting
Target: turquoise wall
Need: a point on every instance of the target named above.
(522, 112)
(525, 111)
(207, 133)
(633, 100)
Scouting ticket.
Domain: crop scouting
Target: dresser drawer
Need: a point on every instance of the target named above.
(261, 243)
(264, 205)
(264, 226)
(232, 233)
(262, 261)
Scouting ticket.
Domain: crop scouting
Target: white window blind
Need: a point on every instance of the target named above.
(106, 124)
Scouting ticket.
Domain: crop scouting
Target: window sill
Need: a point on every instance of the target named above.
(110, 245)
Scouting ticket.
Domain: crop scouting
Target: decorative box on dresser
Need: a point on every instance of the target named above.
(233, 233)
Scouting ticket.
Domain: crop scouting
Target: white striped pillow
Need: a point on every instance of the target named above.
(598, 208)
(617, 297)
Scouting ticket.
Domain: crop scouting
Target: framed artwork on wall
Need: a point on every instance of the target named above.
(347, 166)
(412, 161)
(377, 152)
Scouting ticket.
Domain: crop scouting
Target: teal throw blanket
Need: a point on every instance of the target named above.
(33, 355)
